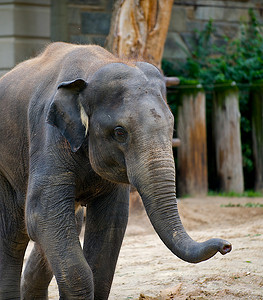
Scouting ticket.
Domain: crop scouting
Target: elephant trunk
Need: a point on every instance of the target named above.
(155, 182)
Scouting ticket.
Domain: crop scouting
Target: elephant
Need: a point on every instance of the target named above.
(78, 126)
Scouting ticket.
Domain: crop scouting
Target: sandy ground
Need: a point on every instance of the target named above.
(148, 270)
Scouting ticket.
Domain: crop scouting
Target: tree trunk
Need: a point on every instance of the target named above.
(139, 28)
(226, 118)
(257, 133)
(192, 153)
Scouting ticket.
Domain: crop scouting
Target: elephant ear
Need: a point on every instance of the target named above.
(67, 114)
(148, 68)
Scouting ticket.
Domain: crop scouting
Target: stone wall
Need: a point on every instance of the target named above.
(25, 24)
(89, 21)
(191, 15)
(24, 30)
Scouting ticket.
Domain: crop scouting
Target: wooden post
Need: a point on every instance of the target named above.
(171, 81)
(227, 140)
(192, 153)
(256, 97)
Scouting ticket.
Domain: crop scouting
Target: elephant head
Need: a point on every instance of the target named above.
(121, 110)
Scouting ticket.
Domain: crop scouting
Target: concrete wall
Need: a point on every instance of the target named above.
(24, 30)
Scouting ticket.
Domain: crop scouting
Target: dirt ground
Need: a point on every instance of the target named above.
(148, 270)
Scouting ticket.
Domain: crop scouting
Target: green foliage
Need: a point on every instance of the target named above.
(196, 65)
(249, 193)
(249, 204)
(239, 60)
(243, 57)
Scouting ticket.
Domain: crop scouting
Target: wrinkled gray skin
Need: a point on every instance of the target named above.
(77, 126)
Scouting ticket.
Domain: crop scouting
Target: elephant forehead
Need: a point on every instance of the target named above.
(146, 112)
(121, 87)
(120, 74)
(134, 108)
(115, 94)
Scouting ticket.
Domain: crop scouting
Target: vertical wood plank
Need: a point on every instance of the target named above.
(227, 139)
(192, 153)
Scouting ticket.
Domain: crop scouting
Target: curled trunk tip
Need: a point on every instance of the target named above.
(197, 252)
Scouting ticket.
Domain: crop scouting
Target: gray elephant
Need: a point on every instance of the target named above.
(77, 126)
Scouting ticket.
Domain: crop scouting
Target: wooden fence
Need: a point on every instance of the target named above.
(191, 125)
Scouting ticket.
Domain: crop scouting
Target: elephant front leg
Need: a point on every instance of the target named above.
(106, 221)
(50, 215)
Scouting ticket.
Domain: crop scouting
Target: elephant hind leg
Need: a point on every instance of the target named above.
(38, 274)
(13, 241)
(36, 277)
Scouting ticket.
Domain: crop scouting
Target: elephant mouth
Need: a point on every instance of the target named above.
(96, 190)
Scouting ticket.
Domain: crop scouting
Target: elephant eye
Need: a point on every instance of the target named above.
(120, 134)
